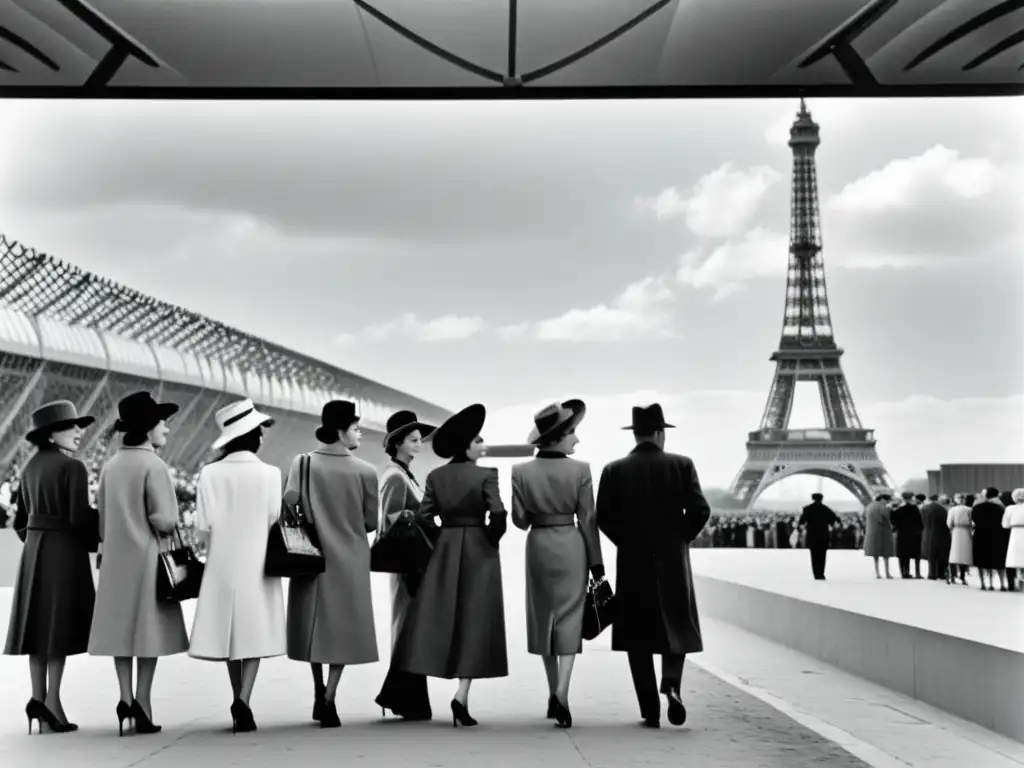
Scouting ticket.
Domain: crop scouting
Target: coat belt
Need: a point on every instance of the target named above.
(462, 522)
(47, 523)
(552, 521)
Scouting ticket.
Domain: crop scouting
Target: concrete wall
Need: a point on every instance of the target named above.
(978, 682)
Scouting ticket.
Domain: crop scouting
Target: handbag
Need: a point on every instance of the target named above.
(404, 548)
(293, 547)
(179, 572)
(599, 610)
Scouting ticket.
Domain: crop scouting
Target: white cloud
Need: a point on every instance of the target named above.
(914, 435)
(720, 204)
(445, 328)
(759, 253)
(640, 310)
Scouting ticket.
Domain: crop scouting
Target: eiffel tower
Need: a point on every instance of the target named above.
(844, 451)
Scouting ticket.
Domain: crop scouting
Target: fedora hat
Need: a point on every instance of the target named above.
(401, 423)
(336, 415)
(238, 419)
(139, 412)
(56, 416)
(458, 430)
(556, 418)
(648, 418)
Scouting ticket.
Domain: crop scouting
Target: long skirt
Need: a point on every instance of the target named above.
(51, 609)
(556, 590)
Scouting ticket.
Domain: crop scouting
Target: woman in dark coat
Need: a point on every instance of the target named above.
(990, 541)
(404, 693)
(550, 493)
(455, 627)
(51, 610)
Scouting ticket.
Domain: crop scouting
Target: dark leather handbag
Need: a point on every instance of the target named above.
(179, 572)
(404, 548)
(599, 610)
(293, 547)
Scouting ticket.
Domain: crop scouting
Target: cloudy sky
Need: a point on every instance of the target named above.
(512, 253)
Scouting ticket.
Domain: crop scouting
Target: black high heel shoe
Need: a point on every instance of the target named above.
(143, 725)
(330, 717)
(460, 715)
(318, 707)
(242, 720)
(124, 712)
(563, 717)
(37, 710)
(552, 707)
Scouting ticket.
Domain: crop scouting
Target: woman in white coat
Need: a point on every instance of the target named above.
(240, 615)
(1013, 518)
(961, 550)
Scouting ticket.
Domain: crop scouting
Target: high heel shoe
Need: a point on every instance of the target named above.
(124, 712)
(143, 724)
(552, 707)
(330, 717)
(563, 717)
(318, 707)
(241, 718)
(460, 715)
(37, 710)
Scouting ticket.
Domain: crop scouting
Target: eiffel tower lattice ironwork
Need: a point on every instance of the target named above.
(844, 450)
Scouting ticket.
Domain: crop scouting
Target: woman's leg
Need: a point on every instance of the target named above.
(1001, 572)
(249, 669)
(333, 678)
(981, 577)
(144, 691)
(123, 669)
(462, 694)
(235, 675)
(318, 680)
(37, 673)
(551, 671)
(888, 575)
(55, 674)
(565, 664)
(878, 573)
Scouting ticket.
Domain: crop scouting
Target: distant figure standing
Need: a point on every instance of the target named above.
(1013, 521)
(936, 539)
(961, 551)
(878, 543)
(1011, 571)
(906, 521)
(817, 520)
(650, 505)
(990, 540)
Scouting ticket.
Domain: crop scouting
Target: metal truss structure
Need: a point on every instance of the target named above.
(844, 451)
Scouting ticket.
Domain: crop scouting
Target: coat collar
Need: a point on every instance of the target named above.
(143, 447)
(334, 449)
(646, 447)
(241, 456)
(551, 455)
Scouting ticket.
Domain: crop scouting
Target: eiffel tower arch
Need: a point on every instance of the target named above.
(844, 451)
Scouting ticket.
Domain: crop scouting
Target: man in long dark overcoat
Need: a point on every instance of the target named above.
(936, 538)
(817, 520)
(650, 506)
(906, 521)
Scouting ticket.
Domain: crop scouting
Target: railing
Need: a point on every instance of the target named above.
(811, 435)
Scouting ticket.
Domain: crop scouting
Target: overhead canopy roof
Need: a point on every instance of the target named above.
(500, 48)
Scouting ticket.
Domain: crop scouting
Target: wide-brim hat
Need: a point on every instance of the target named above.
(238, 419)
(401, 423)
(555, 419)
(458, 430)
(649, 418)
(140, 412)
(335, 416)
(55, 417)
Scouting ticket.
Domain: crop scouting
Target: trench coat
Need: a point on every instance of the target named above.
(990, 538)
(456, 623)
(553, 498)
(53, 598)
(936, 540)
(330, 616)
(137, 507)
(1013, 520)
(240, 611)
(878, 540)
(650, 506)
(958, 520)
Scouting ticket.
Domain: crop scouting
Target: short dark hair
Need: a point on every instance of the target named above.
(920, 497)
(250, 441)
(817, 496)
(969, 500)
(991, 493)
(41, 440)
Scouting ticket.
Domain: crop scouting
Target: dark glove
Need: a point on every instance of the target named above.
(496, 529)
(597, 571)
(603, 593)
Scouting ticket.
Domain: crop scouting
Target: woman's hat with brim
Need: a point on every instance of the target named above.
(336, 416)
(401, 424)
(56, 417)
(238, 419)
(556, 420)
(139, 412)
(458, 431)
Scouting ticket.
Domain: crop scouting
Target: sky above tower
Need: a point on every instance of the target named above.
(512, 253)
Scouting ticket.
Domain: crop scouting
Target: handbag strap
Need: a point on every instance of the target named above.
(304, 485)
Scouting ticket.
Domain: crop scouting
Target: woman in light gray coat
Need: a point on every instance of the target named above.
(550, 495)
(138, 508)
(330, 616)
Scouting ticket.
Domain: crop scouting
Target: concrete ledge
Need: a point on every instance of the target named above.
(973, 680)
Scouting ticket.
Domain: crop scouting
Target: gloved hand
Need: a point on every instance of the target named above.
(597, 571)
(496, 529)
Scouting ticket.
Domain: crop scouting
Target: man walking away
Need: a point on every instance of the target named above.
(651, 507)
(817, 521)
